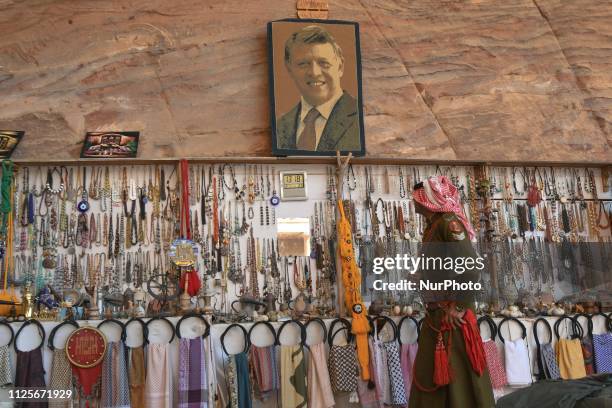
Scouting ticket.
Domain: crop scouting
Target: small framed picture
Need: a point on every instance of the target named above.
(110, 145)
(315, 88)
(9, 139)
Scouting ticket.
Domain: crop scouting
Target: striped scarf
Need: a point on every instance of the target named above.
(115, 388)
(193, 384)
(137, 377)
(293, 377)
(263, 371)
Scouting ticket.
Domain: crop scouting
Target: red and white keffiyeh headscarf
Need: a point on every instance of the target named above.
(440, 195)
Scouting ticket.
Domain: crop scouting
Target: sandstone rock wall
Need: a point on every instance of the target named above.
(512, 80)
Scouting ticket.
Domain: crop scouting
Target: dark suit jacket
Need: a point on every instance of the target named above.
(341, 131)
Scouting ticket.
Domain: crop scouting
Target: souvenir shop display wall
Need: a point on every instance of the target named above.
(99, 237)
(88, 242)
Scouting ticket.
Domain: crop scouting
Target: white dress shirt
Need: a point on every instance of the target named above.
(324, 109)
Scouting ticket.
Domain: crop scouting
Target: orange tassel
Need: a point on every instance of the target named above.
(360, 328)
(442, 375)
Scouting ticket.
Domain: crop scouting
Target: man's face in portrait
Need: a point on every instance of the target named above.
(316, 71)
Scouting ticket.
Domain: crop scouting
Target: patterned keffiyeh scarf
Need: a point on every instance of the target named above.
(115, 386)
(6, 376)
(398, 391)
(158, 387)
(60, 378)
(193, 384)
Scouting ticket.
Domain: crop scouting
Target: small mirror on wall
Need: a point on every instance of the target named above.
(293, 236)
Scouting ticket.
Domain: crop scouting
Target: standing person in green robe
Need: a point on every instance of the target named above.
(450, 368)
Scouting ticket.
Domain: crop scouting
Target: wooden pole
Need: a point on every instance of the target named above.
(341, 166)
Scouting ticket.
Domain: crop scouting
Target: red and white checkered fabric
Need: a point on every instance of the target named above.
(440, 195)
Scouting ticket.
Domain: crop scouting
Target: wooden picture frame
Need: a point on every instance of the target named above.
(9, 139)
(315, 67)
(109, 145)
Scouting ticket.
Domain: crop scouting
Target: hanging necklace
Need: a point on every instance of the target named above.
(514, 184)
(351, 181)
(402, 186)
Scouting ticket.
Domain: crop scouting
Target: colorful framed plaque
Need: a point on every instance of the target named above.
(110, 145)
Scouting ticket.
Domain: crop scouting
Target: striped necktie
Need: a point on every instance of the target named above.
(308, 137)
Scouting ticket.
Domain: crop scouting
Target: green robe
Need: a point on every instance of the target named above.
(467, 389)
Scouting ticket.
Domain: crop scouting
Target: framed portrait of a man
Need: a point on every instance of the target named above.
(315, 88)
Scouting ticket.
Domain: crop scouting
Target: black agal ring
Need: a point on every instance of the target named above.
(302, 331)
(247, 344)
(268, 325)
(196, 316)
(577, 331)
(118, 323)
(491, 323)
(321, 323)
(56, 328)
(511, 319)
(346, 325)
(168, 322)
(401, 322)
(5, 323)
(143, 325)
(41, 331)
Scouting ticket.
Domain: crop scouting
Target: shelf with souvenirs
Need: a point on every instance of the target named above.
(86, 242)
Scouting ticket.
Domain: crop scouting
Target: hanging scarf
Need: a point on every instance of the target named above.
(441, 196)
(398, 390)
(377, 371)
(602, 348)
(407, 356)
(518, 370)
(494, 364)
(343, 367)
(242, 379)
(232, 382)
(293, 377)
(30, 373)
(263, 371)
(351, 278)
(115, 388)
(158, 385)
(569, 357)
(137, 377)
(6, 376)
(320, 393)
(60, 378)
(193, 384)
